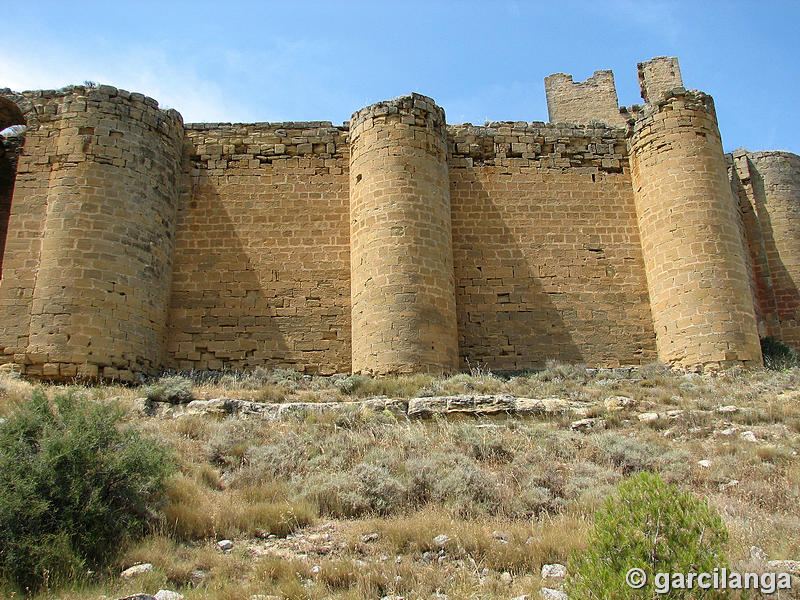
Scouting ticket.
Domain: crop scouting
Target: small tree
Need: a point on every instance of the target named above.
(74, 484)
(652, 526)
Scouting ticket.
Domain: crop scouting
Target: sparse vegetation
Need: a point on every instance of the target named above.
(349, 506)
(173, 389)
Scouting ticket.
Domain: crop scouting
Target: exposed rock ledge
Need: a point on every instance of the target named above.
(415, 408)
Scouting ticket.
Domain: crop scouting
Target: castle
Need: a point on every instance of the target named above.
(394, 243)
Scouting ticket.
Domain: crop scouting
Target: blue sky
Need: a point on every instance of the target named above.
(293, 60)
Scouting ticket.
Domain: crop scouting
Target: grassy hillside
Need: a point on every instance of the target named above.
(355, 505)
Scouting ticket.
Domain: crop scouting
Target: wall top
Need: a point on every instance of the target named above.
(410, 104)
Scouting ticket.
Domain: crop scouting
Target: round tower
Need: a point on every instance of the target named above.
(775, 179)
(100, 297)
(401, 252)
(694, 256)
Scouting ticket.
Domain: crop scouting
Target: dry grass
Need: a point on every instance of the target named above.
(534, 482)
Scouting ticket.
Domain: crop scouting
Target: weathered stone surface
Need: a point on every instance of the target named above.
(588, 424)
(552, 594)
(168, 595)
(136, 570)
(554, 571)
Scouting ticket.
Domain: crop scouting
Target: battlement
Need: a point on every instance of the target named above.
(393, 242)
(553, 145)
(657, 76)
(583, 102)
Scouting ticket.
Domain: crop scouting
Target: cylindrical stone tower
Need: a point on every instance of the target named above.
(694, 255)
(100, 297)
(775, 179)
(402, 280)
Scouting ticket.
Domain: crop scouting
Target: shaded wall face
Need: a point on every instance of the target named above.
(773, 185)
(547, 256)
(10, 148)
(262, 258)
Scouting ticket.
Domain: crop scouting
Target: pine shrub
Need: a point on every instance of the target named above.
(648, 525)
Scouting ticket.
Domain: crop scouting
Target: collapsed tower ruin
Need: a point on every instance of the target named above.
(394, 243)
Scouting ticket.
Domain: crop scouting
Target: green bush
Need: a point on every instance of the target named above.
(652, 526)
(777, 355)
(74, 485)
(173, 389)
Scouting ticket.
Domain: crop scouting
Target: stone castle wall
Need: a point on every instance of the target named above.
(262, 256)
(547, 255)
(392, 243)
(88, 258)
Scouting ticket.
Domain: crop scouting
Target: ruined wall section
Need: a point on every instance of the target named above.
(94, 207)
(27, 214)
(771, 183)
(10, 150)
(658, 76)
(739, 174)
(262, 250)
(546, 247)
(403, 299)
(583, 102)
(689, 223)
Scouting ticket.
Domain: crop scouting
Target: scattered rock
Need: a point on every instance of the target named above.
(616, 403)
(729, 409)
(757, 553)
(675, 414)
(500, 535)
(748, 436)
(168, 595)
(264, 597)
(506, 578)
(442, 540)
(554, 571)
(728, 432)
(136, 570)
(588, 424)
(225, 545)
(730, 484)
(523, 597)
(648, 417)
(704, 463)
(138, 597)
(551, 594)
(785, 566)
(370, 537)
(392, 597)
(315, 569)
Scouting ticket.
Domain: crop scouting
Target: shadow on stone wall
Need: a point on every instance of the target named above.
(784, 286)
(506, 321)
(221, 315)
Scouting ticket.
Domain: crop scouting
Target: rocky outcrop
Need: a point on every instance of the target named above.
(416, 408)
